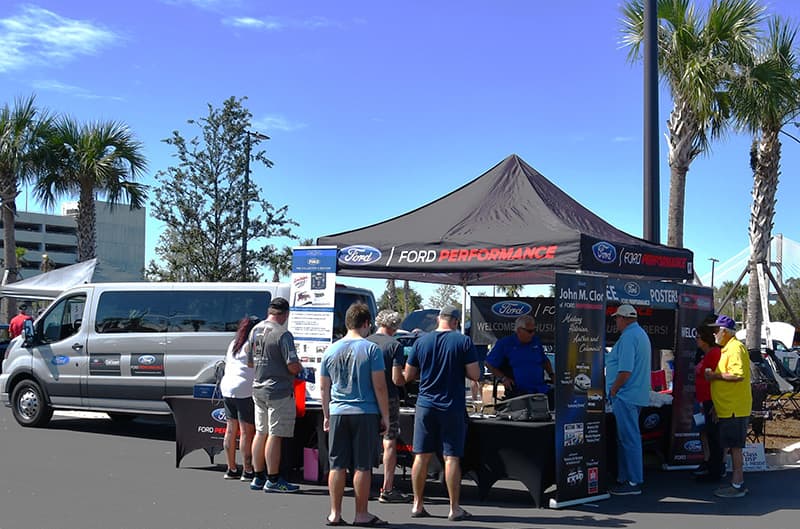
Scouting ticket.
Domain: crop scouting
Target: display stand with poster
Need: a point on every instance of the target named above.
(580, 390)
(311, 321)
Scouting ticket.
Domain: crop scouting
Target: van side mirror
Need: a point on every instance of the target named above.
(28, 333)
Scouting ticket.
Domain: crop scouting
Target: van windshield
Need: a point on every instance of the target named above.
(342, 302)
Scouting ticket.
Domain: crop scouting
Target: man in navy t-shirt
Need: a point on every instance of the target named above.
(442, 359)
(519, 361)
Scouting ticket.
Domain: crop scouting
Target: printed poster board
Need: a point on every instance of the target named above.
(311, 319)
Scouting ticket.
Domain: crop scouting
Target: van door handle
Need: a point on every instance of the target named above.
(77, 347)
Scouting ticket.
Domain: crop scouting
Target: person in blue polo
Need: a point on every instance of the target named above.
(628, 389)
(519, 361)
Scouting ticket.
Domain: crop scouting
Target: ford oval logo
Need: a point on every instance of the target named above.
(604, 252)
(219, 415)
(59, 360)
(651, 421)
(695, 445)
(511, 309)
(359, 255)
(147, 360)
(631, 288)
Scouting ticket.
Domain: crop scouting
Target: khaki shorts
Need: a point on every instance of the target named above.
(275, 416)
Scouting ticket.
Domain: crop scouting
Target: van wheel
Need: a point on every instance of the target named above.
(29, 405)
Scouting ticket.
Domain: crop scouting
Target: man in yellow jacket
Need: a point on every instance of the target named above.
(733, 400)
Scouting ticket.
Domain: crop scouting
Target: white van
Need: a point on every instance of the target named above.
(122, 347)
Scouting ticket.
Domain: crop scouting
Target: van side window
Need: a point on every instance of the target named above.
(214, 311)
(63, 319)
(126, 311)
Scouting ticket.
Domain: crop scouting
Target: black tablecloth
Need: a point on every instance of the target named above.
(200, 424)
(495, 449)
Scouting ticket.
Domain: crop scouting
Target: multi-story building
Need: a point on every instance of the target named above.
(120, 241)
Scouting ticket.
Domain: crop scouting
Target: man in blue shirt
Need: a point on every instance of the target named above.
(354, 403)
(628, 389)
(519, 361)
(442, 359)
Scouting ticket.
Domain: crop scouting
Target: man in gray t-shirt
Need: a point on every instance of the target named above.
(272, 354)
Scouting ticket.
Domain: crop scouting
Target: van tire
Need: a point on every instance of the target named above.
(29, 405)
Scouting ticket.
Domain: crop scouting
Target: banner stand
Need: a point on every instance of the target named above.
(569, 503)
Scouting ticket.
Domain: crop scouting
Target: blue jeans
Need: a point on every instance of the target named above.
(629, 442)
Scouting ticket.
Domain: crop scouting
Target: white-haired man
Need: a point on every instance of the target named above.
(394, 360)
(733, 400)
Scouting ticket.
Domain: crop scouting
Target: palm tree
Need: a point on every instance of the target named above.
(511, 291)
(765, 97)
(98, 158)
(695, 57)
(23, 128)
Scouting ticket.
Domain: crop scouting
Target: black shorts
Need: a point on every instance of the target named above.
(353, 441)
(240, 409)
(733, 431)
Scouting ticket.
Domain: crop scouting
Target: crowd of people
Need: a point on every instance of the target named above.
(360, 376)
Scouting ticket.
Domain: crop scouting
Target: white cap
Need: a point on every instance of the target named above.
(626, 311)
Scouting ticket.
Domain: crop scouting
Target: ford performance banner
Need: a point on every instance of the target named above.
(493, 317)
(639, 260)
(694, 305)
(580, 389)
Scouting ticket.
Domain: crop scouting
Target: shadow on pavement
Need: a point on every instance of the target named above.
(159, 428)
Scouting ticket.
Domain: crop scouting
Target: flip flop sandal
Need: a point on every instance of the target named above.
(372, 522)
(337, 523)
(463, 515)
(420, 514)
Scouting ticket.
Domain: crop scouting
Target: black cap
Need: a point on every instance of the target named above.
(22, 307)
(279, 304)
(451, 311)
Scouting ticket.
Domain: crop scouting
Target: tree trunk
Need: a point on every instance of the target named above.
(86, 221)
(9, 207)
(765, 156)
(405, 297)
(391, 294)
(682, 126)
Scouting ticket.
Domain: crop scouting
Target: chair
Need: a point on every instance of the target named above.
(784, 388)
(757, 429)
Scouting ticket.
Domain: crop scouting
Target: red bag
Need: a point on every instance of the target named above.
(300, 397)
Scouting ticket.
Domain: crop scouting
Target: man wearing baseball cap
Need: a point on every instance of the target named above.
(733, 400)
(628, 389)
(271, 351)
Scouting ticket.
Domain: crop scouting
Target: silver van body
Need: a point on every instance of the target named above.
(122, 347)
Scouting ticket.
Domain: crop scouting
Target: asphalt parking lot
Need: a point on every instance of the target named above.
(89, 472)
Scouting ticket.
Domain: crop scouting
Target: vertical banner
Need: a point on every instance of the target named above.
(694, 304)
(312, 291)
(580, 389)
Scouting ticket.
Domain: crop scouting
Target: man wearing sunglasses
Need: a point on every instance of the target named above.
(519, 361)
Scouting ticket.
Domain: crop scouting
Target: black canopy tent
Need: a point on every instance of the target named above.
(510, 225)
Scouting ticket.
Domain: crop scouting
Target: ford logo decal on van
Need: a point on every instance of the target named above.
(604, 252)
(147, 360)
(59, 360)
(359, 255)
(219, 415)
(511, 309)
(695, 445)
(631, 288)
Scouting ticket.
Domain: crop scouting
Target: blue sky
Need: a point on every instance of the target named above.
(375, 108)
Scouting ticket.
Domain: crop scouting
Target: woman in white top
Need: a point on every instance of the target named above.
(236, 387)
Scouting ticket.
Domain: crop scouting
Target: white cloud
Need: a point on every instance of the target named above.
(622, 139)
(276, 24)
(276, 122)
(39, 36)
(51, 85)
(252, 23)
(206, 5)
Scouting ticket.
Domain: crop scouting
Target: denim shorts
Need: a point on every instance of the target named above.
(438, 430)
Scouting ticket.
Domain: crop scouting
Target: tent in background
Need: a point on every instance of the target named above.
(510, 225)
(51, 284)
